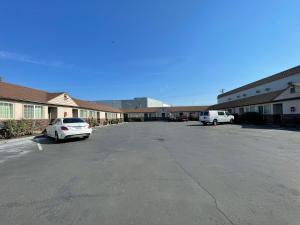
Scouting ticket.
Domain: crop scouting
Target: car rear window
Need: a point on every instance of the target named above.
(205, 114)
(73, 120)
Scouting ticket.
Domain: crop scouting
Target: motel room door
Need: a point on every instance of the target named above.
(277, 113)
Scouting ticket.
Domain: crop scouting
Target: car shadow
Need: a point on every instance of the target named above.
(44, 140)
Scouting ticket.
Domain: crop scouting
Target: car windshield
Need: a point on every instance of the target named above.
(205, 114)
(73, 120)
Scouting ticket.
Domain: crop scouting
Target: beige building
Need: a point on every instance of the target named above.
(18, 102)
(164, 113)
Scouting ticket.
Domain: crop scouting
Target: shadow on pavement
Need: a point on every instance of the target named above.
(270, 127)
(44, 140)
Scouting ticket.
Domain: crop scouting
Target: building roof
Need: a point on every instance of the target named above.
(277, 76)
(171, 109)
(95, 106)
(21, 93)
(142, 110)
(253, 100)
(188, 108)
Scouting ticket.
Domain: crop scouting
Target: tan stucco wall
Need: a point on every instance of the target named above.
(62, 110)
(18, 109)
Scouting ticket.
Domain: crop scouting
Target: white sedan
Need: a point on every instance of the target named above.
(65, 128)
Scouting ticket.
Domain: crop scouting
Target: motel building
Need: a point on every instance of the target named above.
(164, 113)
(18, 102)
(277, 97)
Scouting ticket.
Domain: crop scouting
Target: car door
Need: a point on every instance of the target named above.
(56, 126)
(221, 116)
(227, 117)
(50, 128)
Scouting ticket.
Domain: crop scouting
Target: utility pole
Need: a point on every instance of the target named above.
(222, 91)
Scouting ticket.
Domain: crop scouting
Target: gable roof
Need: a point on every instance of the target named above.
(277, 76)
(51, 96)
(21, 93)
(253, 100)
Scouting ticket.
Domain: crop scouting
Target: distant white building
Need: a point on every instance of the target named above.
(136, 103)
(277, 97)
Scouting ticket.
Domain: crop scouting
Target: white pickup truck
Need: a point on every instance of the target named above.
(216, 116)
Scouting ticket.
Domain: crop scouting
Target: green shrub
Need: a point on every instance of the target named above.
(251, 118)
(92, 122)
(114, 121)
(17, 128)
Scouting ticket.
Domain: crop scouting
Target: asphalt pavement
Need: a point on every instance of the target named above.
(155, 173)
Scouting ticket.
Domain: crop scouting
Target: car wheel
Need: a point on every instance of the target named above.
(204, 123)
(86, 137)
(56, 138)
(215, 122)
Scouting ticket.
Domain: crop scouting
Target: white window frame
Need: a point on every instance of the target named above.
(13, 110)
(34, 116)
(86, 113)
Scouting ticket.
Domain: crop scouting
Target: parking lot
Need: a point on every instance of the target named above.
(156, 173)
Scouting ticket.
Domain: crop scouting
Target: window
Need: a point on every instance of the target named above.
(92, 114)
(257, 91)
(247, 109)
(33, 112)
(238, 96)
(221, 113)
(241, 110)
(38, 112)
(292, 90)
(260, 109)
(293, 109)
(252, 108)
(28, 112)
(6, 110)
(83, 113)
(229, 99)
(267, 89)
(244, 95)
(267, 109)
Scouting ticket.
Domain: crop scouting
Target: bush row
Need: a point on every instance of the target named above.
(17, 128)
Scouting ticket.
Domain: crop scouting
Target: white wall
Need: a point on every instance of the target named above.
(274, 86)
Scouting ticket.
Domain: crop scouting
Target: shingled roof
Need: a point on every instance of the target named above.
(253, 100)
(21, 93)
(277, 76)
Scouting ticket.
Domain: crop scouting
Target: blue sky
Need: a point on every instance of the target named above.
(180, 51)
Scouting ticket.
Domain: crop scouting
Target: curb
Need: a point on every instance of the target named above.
(17, 140)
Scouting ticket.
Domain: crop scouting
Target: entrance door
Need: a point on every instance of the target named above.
(146, 118)
(277, 113)
(163, 116)
(75, 113)
(126, 117)
(52, 113)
